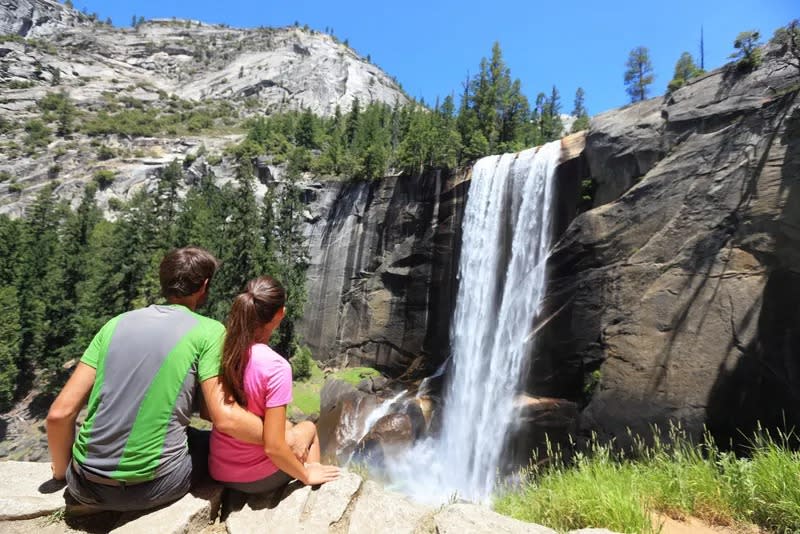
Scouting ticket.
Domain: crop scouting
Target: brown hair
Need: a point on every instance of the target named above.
(262, 299)
(183, 271)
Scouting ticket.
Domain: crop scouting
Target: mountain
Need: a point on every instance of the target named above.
(175, 69)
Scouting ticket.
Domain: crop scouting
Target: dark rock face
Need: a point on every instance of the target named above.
(382, 275)
(678, 300)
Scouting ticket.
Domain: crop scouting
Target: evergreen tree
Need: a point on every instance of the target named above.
(548, 114)
(413, 152)
(306, 130)
(685, 69)
(241, 250)
(291, 261)
(353, 120)
(445, 142)
(9, 345)
(579, 112)
(75, 259)
(748, 54)
(39, 279)
(638, 73)
(9, 245)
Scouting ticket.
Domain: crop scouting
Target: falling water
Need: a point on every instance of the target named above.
(505, 240)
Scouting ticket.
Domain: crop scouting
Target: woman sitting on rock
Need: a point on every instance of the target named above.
(260, 379)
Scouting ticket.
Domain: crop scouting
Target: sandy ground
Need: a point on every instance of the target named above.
(692, 525)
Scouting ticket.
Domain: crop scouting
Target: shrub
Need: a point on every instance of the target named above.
(38, 135)
(189, 159)
(131, 122)
(5, 176)
(105, 153)
(301, 362)
(104, 178)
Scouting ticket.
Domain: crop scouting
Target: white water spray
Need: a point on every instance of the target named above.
(505, 240)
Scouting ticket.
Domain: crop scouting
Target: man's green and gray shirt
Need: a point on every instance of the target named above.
(148, 363)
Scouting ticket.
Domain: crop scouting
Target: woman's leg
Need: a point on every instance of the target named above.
(302, 438)
(274, 481)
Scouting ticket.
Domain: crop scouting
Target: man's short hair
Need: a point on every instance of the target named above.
(183, 271)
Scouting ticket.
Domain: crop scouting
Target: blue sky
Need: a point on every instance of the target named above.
(430, 46)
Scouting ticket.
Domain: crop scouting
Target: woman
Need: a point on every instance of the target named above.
(261, 380)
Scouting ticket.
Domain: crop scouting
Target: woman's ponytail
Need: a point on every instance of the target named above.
(240, 335)
(250, 310)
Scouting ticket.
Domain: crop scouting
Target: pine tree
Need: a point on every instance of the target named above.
(579, 112)
(291, 261)
(638, 73)
(39, 279)
(75, 249)
(748, 55)
(241, 253)
(305, 135)
(9, 345)
(413, 151)
(685, 69)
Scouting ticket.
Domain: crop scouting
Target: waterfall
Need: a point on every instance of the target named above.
(505, 240)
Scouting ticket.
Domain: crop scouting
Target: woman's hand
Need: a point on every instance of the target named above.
(320, 474)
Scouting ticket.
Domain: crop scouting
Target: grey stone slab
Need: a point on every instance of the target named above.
(300, 510)
(190, 514)
(378, 511)
(27, 490)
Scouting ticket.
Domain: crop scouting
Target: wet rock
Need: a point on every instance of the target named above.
(389, 436)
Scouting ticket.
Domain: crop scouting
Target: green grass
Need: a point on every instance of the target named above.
(597, 489)
(355, 375)
(306, 393)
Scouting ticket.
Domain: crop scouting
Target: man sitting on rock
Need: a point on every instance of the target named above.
(139, 374)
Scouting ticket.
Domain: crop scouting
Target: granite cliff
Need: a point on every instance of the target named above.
(675, 298)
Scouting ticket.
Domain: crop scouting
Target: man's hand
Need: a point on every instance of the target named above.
(299, 449)
(62, 415)
(229, 417)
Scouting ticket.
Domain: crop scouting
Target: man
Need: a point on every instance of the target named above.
(139, 374)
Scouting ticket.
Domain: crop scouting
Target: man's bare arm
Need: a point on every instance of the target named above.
(62, 415)
(229, 417)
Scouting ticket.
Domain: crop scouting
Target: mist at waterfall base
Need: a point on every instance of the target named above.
(505, 241)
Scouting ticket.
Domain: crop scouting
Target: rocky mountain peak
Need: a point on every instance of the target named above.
(37, 18)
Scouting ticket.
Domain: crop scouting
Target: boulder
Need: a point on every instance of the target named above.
(462, 517)
(299, 509)
(540, 423)
(27, 490)
(195, 511)
(378, 511)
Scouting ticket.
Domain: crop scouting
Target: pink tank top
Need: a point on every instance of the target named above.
(267, 384)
